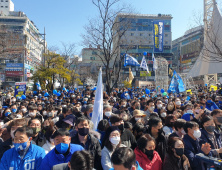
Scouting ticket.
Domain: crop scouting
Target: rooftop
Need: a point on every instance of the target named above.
(168, 16)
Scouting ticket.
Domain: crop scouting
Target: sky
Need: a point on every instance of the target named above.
(64, 19)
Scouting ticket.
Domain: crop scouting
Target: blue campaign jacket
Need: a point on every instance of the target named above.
(138, 167)
(193, 147)
(52, 158)
(211, 106)
(11, 159)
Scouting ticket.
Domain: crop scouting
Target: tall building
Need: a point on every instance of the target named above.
(139, 38)
(186, 49)
(6, 6)
(24, 44)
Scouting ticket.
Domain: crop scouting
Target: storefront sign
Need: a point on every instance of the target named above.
(14, 73)
(14, 64)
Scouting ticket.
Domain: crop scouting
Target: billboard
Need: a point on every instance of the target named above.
(14, 73)
(14, 64)
(158, 32)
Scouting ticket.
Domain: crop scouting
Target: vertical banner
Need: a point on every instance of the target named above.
(20, 89)
(158, 31)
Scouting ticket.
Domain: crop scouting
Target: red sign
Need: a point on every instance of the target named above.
(28, 74)
(14, 73)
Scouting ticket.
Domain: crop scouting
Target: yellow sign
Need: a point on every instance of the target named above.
(145, 74)
(156, 32)
(186, 61)
(189, 91)
(213, 88)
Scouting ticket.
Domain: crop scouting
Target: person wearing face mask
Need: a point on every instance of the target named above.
(146, 155)
(24, 153)
(149, 109)
(8, 144)
(87, 141)
(159, 105)
(88, 111)
(112, 142)
(178, 103)
(155, 129)
(169, 124)
(179, 131)
(107, 112)
(7, 115)
(170, 107)
(217, 116)
(49, 145)
(63, 150)
(209, 135)
(162, 114)
(195, 145)
(137, 117)
(175, 159)
(33, 113)
(210, 105)
(135, 106)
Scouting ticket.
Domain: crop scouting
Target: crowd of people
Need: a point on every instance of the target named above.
(138, 131)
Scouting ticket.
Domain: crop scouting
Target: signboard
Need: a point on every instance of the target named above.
(14, 64)
(145, 46)
(186, 61)
(20, 89)
(14, 73)
(158, 35)
(128, 46)
(145, 74)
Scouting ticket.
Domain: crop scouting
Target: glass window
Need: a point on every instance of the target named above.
(1, 6)
(6, 6)
(141, 34)
(166, 42)
(166, 35)
(132, 34)
(93, 52)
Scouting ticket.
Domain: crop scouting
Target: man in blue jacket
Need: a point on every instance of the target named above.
(194, 145)
(63, 150)
(210, 105)
(24, 155)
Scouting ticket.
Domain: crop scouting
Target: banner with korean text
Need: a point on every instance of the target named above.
(158, 31)
(20, 89)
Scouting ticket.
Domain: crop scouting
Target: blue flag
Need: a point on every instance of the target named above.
(130, 61)
(176, 84)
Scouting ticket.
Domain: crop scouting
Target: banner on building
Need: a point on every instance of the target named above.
(14, 73)
(158, 32)
(14, 64)
(20, 89)
(145, 74)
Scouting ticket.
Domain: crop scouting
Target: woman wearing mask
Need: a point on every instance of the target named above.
(179, 131)
(146, 155)
(178, 103)
(137, 117)
(111, 143)
(208, 135)
(49, 145)
(7, 116)
(162, 114)
(169, 124)
(170, 108)
(175, 159)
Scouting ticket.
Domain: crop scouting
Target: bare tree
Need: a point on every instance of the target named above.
(105, 33)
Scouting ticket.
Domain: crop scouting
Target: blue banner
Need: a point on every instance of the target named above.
(20, 89)
(14, 65)
(130, 61)
(158, 31)
(176, 84)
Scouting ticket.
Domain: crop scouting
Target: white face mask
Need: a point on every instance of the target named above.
(52, 141)
(12, 134)
(166, 100)
(163, 114)
(152, 108)
(125, 118)
(159, 106)
(183, 132)
(19, 116)
(138, 118)
(31, 114)
(197, 134)
(190, 111)
(108, 114)
(115, 140)
(23, 110)
(13, 100)
(63, 105)
(124, 105)
(178, 103)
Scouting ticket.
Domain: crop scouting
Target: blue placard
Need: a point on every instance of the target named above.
(158, 31)
(14, 64)
(20, 89)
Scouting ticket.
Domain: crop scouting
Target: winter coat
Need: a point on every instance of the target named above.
(146, 163)
(106, 158)
(171, 163)
(52, 158)
(4, 146)
(63, 166)
(48, 147)
(138, 167)
(93, 146)
(33, 159)
(167, 130)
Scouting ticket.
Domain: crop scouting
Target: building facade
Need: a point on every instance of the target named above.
(139, 38)
(24, 46)
(6, 6)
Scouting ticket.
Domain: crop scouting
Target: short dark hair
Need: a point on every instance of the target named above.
(16, 122)
(153, 121)
(168, 118)
(143, 140)
(205, 119)
(81, 160)
(60, 132)
(138, 127)
(26, 130)
(215, 112)
(189, 124)
(188, 104)
(171, 144)
(103, 125)
(124, 156)
(115, 118)
(32, 107)
(150, 101)
(81, 119)
(49, 132)
(30, 121)
(179, 123)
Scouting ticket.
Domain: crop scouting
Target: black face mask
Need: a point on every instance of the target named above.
(45, 128)
(137, 107)
(65, 125)
(160, 131)
(149, 153)
(121, 127)
(219, 119)
(179, 151)
(83, 131)
(210, 128)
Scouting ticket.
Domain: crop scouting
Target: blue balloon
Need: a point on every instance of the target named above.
(145, 53)
(58, 94)
(168, 91)
(147, 91)
(46, 94)
(64, 88)
(162, 90)
(75, 88)
(94, 88)
(206, 85)
(34, 92)
(54, 92)
(23, 97)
